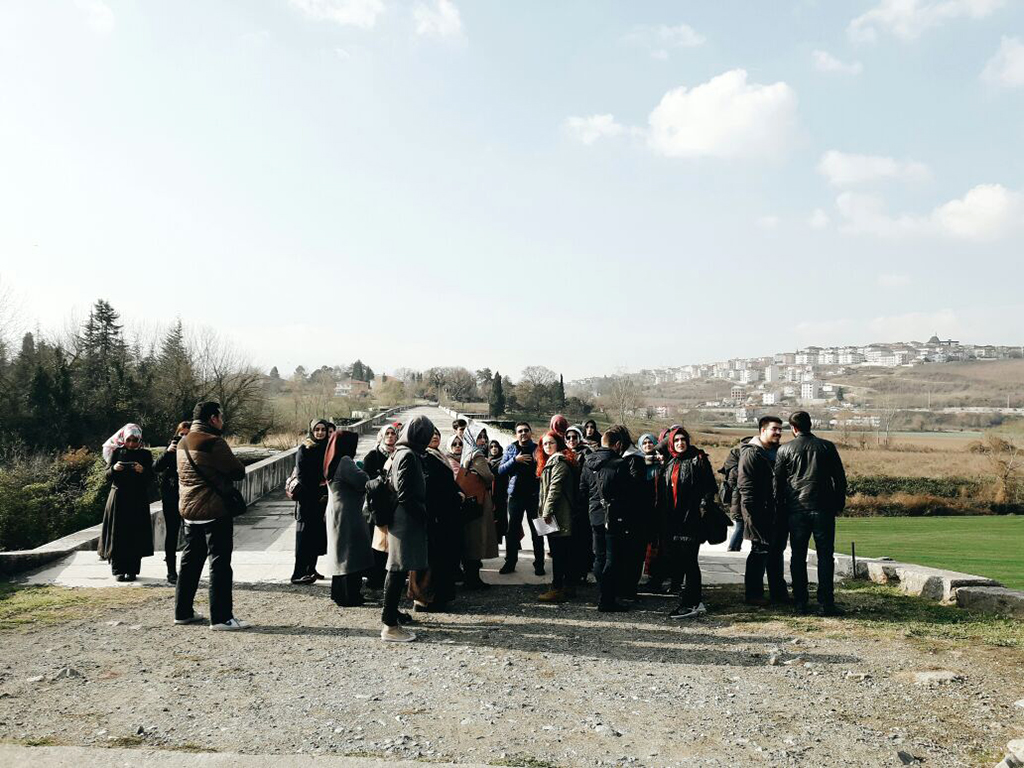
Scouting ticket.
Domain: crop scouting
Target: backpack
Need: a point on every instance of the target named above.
(381, 500)
(292, 488)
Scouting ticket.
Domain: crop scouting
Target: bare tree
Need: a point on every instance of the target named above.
(227, 376)
(624, 396)
(1006, 460)
(539, 376)
(888, 410)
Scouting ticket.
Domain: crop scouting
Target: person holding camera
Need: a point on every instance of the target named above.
(126, 535)
(519, 465)
(167, 467)
(206, 469)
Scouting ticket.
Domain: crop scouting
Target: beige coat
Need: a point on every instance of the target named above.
(480, 536)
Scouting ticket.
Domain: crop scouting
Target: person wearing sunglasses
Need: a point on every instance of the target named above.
(519, 465)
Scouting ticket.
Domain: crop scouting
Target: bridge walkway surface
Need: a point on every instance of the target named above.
(265, 545)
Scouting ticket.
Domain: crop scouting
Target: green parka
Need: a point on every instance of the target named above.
(557, 493)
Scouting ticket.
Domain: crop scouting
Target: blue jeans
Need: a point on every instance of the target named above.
(736, 539)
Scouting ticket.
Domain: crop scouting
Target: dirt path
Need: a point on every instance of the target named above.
(505, 681)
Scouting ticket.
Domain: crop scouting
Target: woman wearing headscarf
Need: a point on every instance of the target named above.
(499, 489)
(648, 501)
(581, 543)
(556, 505)
(559, 424)
(167, 467)
(591, 434)
(310, 527)
(407, 534)
(348, 539)
(373, 465)
(687, 483)
(476, 481)
(126, 535)
(433, 589)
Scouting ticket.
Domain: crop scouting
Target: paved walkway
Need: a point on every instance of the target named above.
(265, 547)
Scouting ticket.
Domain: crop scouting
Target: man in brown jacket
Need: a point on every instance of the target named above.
(206, 469)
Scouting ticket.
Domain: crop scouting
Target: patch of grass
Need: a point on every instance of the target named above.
(126, 742)
(39, 741)
(879, 611)
(986, 546)
(524, 761)
(25, 606)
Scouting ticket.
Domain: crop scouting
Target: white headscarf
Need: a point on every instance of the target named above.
(469, 447)
(117, 439)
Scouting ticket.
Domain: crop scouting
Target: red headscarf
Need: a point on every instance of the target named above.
(559, 424)
(674, 478)
(542, 458)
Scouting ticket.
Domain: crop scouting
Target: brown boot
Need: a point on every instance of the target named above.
(553, 596)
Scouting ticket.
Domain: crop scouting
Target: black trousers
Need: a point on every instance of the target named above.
(347, 589)
(129, 565)
(607, 553)
(520, 512)
(216, 541)
(394, 588)
(821, 525)
(685, 564)
(635, 552)
(172, 526)
(581, 548)
(561, 552)
(766, 558)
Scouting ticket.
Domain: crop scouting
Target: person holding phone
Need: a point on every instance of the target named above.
(167, 467)
(519, 465)
(126, 535)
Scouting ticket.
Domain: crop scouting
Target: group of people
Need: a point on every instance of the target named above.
(597, 502)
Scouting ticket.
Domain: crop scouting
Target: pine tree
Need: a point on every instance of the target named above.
(561, 393)
(496, 402)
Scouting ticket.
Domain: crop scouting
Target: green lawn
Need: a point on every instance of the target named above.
(986, 546)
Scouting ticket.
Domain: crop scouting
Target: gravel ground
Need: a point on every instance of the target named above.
(506, 681)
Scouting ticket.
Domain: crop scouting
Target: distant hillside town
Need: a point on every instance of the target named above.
(808, 377)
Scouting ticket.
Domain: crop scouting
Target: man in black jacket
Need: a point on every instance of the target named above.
(606, 482)
(810, 488)
(764, 526)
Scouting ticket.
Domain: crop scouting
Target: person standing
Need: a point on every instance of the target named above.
(348, 539)
(407, 534)
(519, 465)
(591, 434)
(608, 487)
(167, 466)
(373, 465)
(311, 506)
(764, 523)
(581, 543)
(810, 488)
(480, 534)
(499, 490)
(647, 505)
(688, 486)
(126, 535)
(206, 470)
(435, 589)
(731, 497)
(555, 506)
(641, 519)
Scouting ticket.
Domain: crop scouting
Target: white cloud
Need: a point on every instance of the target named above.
(98, 14)
(438, 19)
(725, 117)
(826, 62)
(1006, 67)
(986, 212)
(589, 129)
(892, 280)
(818, 219)
(767, 221)
(348, 13)
(843, 169)
(660, 38)
(907, 19)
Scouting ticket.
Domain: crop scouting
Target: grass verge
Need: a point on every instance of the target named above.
(879, 611)
(27, 606)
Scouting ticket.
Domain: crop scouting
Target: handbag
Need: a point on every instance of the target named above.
(471, 509)
(234, 501)
(714, 523)
(381, 500)
(292, 487)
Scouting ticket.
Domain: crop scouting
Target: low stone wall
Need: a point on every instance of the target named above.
(261, 478)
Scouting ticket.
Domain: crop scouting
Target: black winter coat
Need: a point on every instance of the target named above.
(809, 476)
(127, 530)
(608, 486)
(756, 490)
(374, 461)
(167, 467)
(309, 463)
(682, 499)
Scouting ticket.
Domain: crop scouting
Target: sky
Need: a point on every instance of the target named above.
(590, 186)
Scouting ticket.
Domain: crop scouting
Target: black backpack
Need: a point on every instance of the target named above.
(381, 500)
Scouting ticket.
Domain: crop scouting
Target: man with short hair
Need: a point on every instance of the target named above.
(459, 427)
(206, 470)
(764, 525)
(523, 496)
(607, 483)
(810, 488)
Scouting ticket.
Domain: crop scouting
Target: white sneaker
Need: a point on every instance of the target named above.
(701, 610)
(230, 625)
(195, 618)
(397, 634)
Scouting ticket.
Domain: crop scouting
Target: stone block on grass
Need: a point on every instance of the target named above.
(992, 600)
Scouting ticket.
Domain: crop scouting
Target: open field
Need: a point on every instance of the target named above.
(986, 546)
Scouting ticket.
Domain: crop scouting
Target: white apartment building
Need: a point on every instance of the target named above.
(771, 374)
(852, 357)
(749, 376)
(770, 398)
(810, 390)
(806, 358)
